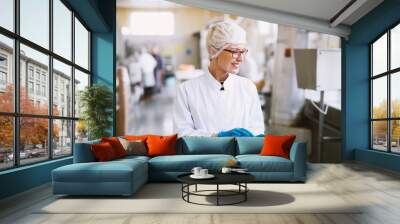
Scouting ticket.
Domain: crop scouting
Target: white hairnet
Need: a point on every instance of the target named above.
(222, 34)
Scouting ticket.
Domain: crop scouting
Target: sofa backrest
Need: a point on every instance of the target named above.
(249, 145)
(83, 153)
(192, 145)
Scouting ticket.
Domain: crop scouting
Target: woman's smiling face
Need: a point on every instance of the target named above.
(229, 59)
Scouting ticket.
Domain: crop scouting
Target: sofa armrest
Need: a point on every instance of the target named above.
(83, 152)
(298, 155)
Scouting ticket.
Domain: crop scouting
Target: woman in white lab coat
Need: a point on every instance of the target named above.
(220, 103)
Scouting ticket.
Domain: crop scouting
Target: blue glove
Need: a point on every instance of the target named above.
(241, 132)
(236, 132)
(225, 133)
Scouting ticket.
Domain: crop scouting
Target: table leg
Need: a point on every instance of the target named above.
(217, 194)
(245, 193)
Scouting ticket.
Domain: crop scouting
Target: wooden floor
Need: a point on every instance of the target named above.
(378, 189)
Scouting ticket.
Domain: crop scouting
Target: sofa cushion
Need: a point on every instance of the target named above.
(116, 145)
(249, 145)
(112, 171)
(161, 145)
(257, 163)
(103, 152)
(196, 145)
(134, 147)
(185, 163)
(277, 145)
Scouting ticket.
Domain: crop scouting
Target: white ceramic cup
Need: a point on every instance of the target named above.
(203, 172)
(226, 170)
(196, 171)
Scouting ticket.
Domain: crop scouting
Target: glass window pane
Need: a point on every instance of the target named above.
(395, 47)
(6, 142)
(81, 45)
(35, 21)
(81, 81)
(81, 131)
(62, 89)
(379, 135)
(395, 94)
(395, 138)
(62, 29)
(62, 138)
(379, 98)
(33, 140)
(6, 74)
(34, 97)
(7, 14)
(379, 55)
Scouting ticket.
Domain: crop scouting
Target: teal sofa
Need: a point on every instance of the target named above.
(125, 176)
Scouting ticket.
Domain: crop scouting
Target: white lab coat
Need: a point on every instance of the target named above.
(202, 109)
(148, 63)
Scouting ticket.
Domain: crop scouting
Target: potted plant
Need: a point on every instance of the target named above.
(96, 104)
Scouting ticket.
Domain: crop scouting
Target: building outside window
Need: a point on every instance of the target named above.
(30, 87)
(3, 72)
(385, 92)
(30, 72)
(57, 139)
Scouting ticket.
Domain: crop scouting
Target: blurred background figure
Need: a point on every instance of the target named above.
(135, 75)
(159, 69)
(266, 89)
(147, 66)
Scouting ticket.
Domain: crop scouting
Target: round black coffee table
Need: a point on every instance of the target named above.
(238, 179)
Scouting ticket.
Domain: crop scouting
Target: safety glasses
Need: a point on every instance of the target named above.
(237, 53)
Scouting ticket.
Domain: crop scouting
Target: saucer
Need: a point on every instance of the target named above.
(208, 176)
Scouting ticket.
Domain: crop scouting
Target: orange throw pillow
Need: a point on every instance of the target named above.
(277, 145)
(161, 145)
(103, 152)
(136, 137)
(116, 145)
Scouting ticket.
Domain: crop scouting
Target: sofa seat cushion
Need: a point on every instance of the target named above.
(185, 163)
(257, 163)
(112, 171)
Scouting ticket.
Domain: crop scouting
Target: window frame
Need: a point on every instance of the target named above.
(16, 114)
(388, 74)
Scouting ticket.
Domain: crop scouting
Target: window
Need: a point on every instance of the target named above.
(7, 14)
(45, 131)
(385, 94)
(35, 22)
(62, 30)
(6, 73)
(3, 78)
(37, 75)
(62, 74)
(30, 87)
(164, 21)
(30, 72)
(44, 91)
(3, 61)
(81, 45)
(37, 89)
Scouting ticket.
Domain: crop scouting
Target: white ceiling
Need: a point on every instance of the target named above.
(147, 4)
(314, 15)
(321, 9)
